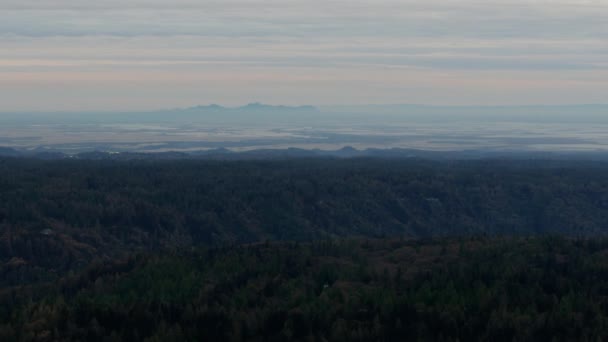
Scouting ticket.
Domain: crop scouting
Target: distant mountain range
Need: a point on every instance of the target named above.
(252, 113)
(577, 113)
(269, 130)
(252, 107)
(259, 113)
(345, 152)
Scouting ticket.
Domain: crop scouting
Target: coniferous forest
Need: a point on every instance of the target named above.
(303, 250)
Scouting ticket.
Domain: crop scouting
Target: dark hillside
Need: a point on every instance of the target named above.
(538, 289)
(59, 215)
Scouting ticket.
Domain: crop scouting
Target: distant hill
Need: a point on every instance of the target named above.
(253, 113)
(259, 113)
(296, 153)
(578, 113)
(251, 107)
(8, 152)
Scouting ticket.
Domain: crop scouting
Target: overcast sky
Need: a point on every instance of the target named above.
(149, 54)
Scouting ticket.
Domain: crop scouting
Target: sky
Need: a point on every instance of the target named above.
(150, 54)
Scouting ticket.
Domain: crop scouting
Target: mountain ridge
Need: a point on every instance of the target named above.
(253, 106)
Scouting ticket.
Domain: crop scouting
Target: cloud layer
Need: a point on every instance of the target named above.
(109, 55)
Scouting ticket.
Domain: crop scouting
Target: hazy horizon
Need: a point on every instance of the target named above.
(575, 128)
(329, 106)
(67, 55)
(526, 75)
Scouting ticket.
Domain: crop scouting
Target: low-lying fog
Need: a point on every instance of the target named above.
(567, 128)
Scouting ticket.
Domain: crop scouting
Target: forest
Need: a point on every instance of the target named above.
(303, 249)
(446, 289)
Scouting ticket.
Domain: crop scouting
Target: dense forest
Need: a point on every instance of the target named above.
(72, 210)
(303, 249)
(475, 289)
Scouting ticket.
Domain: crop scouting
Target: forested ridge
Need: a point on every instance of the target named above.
(474, 289)
(303, 249)
(59, 215)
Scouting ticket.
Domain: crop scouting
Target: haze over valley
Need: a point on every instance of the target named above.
(577, 128)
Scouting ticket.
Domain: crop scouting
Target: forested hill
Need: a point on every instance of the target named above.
(58, 215)
(528, 289)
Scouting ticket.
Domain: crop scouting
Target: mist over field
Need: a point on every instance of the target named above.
(582, 128)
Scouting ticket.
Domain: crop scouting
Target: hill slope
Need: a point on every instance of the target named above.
(58, 215)
(541, 289)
